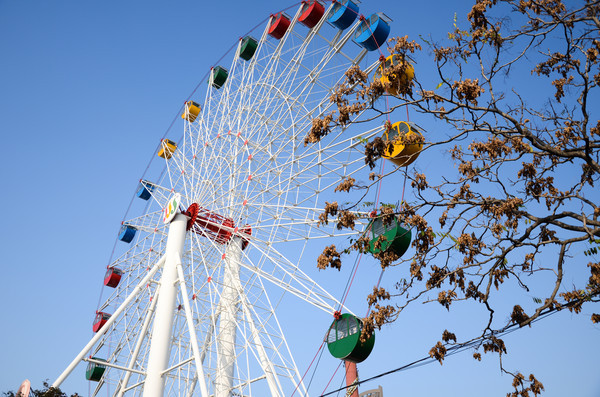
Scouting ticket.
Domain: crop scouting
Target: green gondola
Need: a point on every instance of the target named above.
(218, 77)
(95, 371)
(248, 48)
(343, 339)
(397, 239)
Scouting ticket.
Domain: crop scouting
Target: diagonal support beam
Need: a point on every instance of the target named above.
(139, 288)
(194, 340)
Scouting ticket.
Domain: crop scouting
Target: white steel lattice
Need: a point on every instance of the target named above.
(244, 159)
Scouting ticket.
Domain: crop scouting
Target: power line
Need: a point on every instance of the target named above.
(454, 349)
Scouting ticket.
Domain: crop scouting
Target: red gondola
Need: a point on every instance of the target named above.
(112, 277)
(279, 26)
(100, 320)
(312, 12)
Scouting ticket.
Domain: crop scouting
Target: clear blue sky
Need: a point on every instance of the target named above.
(87, 89)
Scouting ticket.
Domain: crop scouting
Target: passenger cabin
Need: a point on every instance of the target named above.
(389, 78)
(145, 190)
(167, 148)
(112, 278)
(343, 339)
(400, 152)
(127, 233)
(191, 110)
(372, 32)
(248, 48)
(95, 371)
(279, 25)
(397, 239)
(343, 14)
(311, 13)
(100, 320)
(218, 77)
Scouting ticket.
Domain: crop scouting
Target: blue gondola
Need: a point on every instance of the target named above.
(372, 32)
(343, 14)
(127, 233)
(145, 190)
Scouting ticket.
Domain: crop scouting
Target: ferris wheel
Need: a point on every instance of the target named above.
(193, 305)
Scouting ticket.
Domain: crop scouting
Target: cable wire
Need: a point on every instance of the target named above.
(454, 349)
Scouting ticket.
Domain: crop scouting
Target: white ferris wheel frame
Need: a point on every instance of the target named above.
(282, 94)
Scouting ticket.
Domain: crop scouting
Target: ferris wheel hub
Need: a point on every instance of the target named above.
(216, 227)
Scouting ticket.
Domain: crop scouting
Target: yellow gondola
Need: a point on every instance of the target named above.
(167, 148)
(388, 78)
(190, 111)
(401, 153)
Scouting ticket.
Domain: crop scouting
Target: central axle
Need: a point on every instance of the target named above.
(216, 227)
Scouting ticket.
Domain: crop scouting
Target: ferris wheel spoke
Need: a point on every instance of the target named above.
(312, 73)
(290, 278)
(146, 223)
(192, 331)
(265, 363)
(299, 231)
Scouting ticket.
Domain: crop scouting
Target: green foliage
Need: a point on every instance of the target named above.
(593, 250)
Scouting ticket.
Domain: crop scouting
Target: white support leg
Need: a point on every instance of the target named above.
(194, 340)
(138, 344)
(228, 319)
(162, 331)
(140, 287)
